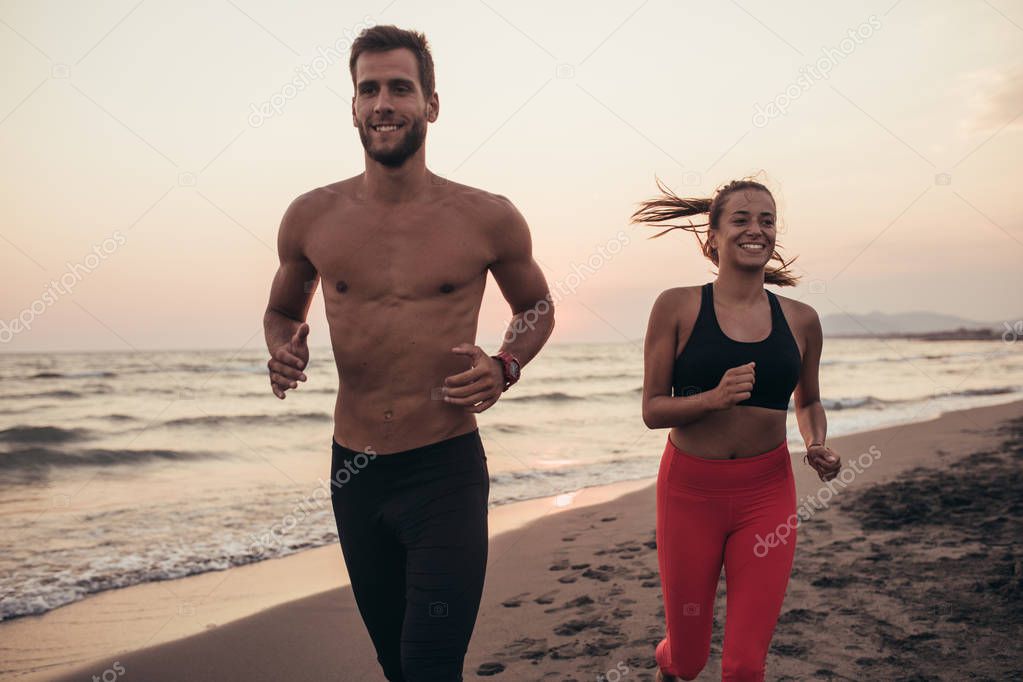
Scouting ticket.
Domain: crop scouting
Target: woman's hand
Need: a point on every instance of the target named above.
(824, 460)
(736, 385)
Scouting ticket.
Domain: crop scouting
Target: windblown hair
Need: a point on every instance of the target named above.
(383, 38)
(669, 206)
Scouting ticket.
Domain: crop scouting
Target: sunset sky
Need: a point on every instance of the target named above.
(135, 156)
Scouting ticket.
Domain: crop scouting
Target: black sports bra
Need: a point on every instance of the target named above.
(709, 353)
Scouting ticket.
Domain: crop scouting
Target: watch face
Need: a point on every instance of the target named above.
(513, 369)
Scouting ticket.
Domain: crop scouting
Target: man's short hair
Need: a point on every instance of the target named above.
(384, 38)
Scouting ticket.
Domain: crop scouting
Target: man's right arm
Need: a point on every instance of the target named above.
(290, 297)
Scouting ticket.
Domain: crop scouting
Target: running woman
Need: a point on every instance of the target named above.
(721, 363)
(403, 256)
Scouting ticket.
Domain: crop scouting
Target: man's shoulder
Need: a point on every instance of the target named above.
(307, 208)
(322, 198)
(480, 202)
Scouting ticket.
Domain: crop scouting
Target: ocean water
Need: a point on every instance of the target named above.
(122, 468)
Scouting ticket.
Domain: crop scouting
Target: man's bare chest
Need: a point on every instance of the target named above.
(373, 258)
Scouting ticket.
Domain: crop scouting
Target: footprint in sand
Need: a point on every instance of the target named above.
(787, 649)
(578, 602)
(577, 625)
(604, 646)
(624, 550)
(584, 600)
(612, 638)
(526, 648)
(802, 616)
(839, 545)
(603, 573)
(546, 598)
(837, 581)
(514, 602)
(491, 668)
(640, 662)
(565, 651)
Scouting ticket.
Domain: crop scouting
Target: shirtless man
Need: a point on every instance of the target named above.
(403, 257)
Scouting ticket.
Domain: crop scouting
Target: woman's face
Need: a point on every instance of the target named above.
(746, 232)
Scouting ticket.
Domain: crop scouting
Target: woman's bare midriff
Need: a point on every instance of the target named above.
(737, 432)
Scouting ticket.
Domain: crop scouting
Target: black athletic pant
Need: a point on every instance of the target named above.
(413, 531)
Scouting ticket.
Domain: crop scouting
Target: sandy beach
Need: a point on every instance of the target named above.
(910, 569)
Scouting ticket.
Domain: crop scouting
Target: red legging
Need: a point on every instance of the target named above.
(737, 511)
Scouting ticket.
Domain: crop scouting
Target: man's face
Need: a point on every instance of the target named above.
(389, 107)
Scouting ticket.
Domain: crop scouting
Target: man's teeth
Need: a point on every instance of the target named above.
(386, 128)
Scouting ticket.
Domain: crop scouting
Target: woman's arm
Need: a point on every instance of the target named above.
(810, 416)
(660, 408)
(813, 423)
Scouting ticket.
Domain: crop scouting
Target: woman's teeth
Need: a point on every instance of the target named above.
(752, 247)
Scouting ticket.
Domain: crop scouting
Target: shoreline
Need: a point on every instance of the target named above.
(636, 474)
(170, 610)
(168, 615)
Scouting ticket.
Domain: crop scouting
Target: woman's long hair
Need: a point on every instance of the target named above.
(669, 206)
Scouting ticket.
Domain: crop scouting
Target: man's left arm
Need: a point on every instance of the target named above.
(524, 286)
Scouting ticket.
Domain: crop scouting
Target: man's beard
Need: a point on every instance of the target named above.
(396, 156)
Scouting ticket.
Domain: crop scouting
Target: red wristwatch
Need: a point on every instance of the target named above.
(512, 368)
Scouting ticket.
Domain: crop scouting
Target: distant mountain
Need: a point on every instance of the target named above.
(884, 324)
